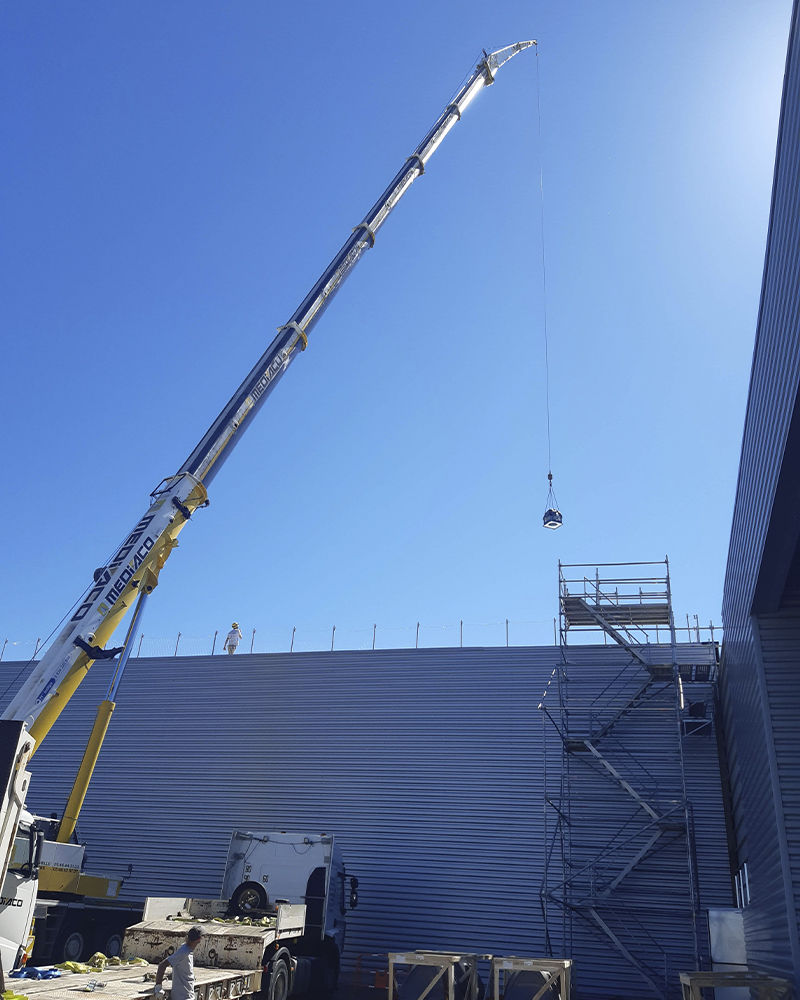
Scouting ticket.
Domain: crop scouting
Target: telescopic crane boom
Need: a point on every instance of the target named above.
(132, 573)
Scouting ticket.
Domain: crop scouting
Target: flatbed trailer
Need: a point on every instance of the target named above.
(135, 982)
(231, 960)
(229, 944)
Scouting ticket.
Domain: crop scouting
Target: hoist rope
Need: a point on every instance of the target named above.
(466, 77)
(544, 269)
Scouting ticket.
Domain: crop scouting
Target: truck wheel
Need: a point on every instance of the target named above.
(109, 941)
(70, 946)
(330, 979)
(328, 973)
(279, 981)
(247, 897)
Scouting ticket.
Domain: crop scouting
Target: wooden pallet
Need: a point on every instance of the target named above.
(549, 977)
(768, 987)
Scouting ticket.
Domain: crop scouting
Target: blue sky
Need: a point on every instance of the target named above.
(177, 175)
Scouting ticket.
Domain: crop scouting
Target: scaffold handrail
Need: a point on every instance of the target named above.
(651, 562)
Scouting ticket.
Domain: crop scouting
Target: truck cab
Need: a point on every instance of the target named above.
(18, 898)
(263, 869)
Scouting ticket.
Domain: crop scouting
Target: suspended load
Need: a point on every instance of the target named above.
(552, 516)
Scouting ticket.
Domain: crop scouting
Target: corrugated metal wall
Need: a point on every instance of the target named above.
(770, 920)
(775, 374)
(426, 764)
(780, 644)
(759, 676)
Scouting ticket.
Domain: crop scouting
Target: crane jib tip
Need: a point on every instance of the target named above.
(501, 56)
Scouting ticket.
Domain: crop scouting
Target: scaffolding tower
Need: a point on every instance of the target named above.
(620, 886)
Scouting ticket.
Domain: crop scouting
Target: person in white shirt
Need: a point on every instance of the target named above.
(233, 637)
(182, 962)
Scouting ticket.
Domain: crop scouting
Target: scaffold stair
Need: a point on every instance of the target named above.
(623, 844)
(626, 785)
(626, 954)
(645, 691)
(585, 613)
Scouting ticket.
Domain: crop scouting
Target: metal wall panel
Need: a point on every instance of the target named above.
(758, 810)
(780, 652)
(759, 692)
(426, 764)
(775, 373)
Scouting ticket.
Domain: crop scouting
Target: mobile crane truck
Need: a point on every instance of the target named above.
(132, 573)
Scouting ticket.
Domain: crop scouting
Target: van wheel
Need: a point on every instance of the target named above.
(247, 897)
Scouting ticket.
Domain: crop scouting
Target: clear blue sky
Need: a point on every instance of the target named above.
(174, 178)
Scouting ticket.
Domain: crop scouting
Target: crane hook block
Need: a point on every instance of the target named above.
(97, 652)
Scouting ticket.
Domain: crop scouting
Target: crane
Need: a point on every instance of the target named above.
(129, 577)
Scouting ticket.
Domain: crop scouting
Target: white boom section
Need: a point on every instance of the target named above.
(138, 550)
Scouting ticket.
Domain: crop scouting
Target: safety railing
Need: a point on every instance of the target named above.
(308, 638)
(693, 631)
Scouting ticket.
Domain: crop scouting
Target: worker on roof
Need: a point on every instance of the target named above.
(182, 962)
(233, 637)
